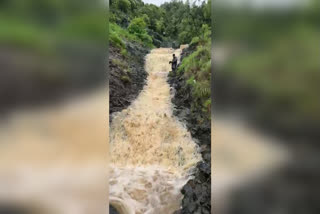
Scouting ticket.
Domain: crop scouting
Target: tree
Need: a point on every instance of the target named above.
(137, 26)
(123, 5)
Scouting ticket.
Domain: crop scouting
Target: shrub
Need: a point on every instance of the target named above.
(122, 64)
(145, 38)
(116, 40)
(184, 37)
(123, 5)
(137, 26)
(125, 79)
(195, 41)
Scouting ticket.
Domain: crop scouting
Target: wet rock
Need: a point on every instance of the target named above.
(205, 168)
(206, 156)
(112, 210)
(191, 207)
(178, 212)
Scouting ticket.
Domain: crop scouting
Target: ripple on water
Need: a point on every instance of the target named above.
(151, 151)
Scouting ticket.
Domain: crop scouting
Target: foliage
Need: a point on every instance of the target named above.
(173, 21)
(183, 21)
(40, 25)
(277, 63)
(15, 33)
(118, 36)
(123, 5)
(295, 65)
(137, 26)
(155, 16)
(196, 68)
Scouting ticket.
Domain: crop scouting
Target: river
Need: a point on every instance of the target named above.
(152, 152)
(54, 158)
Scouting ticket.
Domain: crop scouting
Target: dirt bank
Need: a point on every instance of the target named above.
(197, 192)
(31, 79)
(126, 75)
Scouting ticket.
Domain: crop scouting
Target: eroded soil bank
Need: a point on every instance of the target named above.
(197, 192)
(126, 75)
(29, 79)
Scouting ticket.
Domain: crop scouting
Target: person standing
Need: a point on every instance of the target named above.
(174, 63)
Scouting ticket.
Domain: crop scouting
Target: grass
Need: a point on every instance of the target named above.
(284, 74)
(25, 35)
(119, 35)
(125, 78)
(196, 69)
(121, 64)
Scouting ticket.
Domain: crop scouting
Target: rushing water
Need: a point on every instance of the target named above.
(151, 152)
(53, 158)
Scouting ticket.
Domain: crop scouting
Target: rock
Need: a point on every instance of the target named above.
(205, 167)
(187, 189)
(125, 86)
(206, 156)
(197, 192)
(205, 210)
(112, 210)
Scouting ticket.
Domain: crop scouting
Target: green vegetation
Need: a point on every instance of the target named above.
(15, 33)
(122, 64)
(197, 70)
(278, 63)
(128, 23)
(40, 26)
(56, 28)
(174, 22)
(125, 78)
(183, 22)
(138, 27)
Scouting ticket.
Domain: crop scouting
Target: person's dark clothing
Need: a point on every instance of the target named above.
(174, 63)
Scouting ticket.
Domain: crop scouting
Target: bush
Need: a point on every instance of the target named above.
(184, 37)
(116, 40)
(145, 38)
(138, 26)
(195, 41)
(123, 5)
(196, 69)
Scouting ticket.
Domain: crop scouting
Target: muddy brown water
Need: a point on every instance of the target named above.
(152, 153)
(54, 159)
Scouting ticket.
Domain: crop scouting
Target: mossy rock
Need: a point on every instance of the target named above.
(125, 79)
